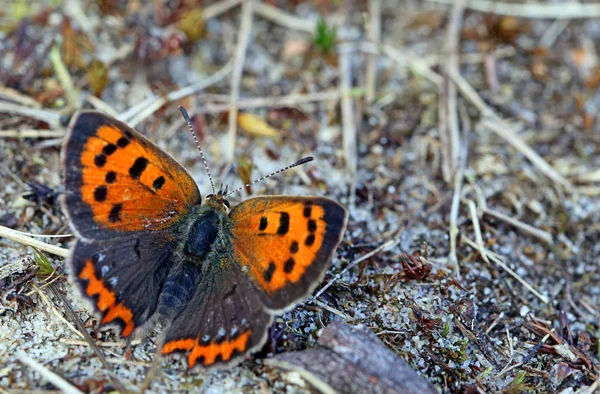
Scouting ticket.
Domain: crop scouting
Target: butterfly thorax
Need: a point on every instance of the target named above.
(206, 232)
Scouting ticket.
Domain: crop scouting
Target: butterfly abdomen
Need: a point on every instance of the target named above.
(177, 290)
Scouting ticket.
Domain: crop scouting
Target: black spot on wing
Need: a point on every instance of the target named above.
(307, 210)
(289, 265)
(312, 226)
(268, 274)
(110, 177)
(294, 247)
(138, 167)
(284, 223)
(115, 213)
(263, 223)
(310, 240)
(158, 182)
(100, 160)
(109, 149)
(122, 142)
(100, 193)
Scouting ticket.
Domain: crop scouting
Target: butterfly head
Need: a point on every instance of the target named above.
(219, 200)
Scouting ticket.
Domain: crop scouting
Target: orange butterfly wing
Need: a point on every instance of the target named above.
(120, 180)
(286, 243)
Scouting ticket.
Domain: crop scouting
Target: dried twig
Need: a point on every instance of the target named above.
(403, 57)
(498, 260)
(138, 113)
(332, 310)
(9, 94)
(374, 34)
(564, 10)
(25, 240)
(529, 229)
(32, 133)
(44, 115)
(63, 75)
(236, 78)
(273, 101)
(448, 110)
(50, 376)
(101, 105)
(471, 58)
(219, 8)
(477, 230)
(55, 311)
(119, 345)
(348, 121)
(283, 18)
(499, 126)
(458, 182)
(71, 313)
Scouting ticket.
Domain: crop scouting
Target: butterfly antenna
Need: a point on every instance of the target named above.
(189, 123)
(296, 164)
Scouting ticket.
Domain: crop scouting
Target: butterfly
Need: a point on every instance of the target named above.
(147, 247)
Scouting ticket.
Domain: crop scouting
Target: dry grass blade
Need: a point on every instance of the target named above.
(564, 10)
(44, 115)
(506, 132)
(477, 230)
(236, 78)
(63, 75)
(218, 8)
(374, 35)
(9, 94)
(389, 244)
(50, 376)
(32, 133)
(283, 18)
(500, 127)
(498, 260)
(116, 382)
(60, 317)
(25, 240)
(274, 101)
(458, 183)
(527, 228)
(311, 378)
(146, 108)
(119, 345)
(416, 64)
(448, 108)
(348, 121)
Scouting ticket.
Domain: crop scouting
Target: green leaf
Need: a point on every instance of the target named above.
(44, 266)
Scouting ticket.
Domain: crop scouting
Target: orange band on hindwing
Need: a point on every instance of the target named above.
(210, 352)
(106, 300)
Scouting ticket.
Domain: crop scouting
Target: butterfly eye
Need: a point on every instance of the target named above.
(226, 204)
(210, 196)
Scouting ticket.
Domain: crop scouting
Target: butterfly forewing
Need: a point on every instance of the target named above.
(286, 243)
(118, 181)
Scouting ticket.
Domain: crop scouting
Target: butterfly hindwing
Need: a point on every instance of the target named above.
(222, 321)
(286, 244)
(118, 181)
(123, 277)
